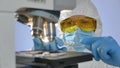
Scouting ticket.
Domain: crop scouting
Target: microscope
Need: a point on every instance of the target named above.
(45, 14)
(43, 22)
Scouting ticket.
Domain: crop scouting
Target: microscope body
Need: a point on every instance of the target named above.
(44, 24)
(8, 10)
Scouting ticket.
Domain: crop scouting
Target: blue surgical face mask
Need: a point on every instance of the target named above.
(73, 39)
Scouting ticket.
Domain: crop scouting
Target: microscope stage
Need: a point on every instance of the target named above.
(38, 58)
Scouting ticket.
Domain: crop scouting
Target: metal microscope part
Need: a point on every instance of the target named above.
(49, 32)
(37, 26)
(44, 24)
(43, 29)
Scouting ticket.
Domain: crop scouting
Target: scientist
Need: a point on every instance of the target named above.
(104, 48)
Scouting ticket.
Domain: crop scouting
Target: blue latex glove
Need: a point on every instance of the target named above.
(104, 48)
(38, 44)
(56, 45)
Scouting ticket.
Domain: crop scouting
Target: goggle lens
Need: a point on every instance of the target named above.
(86, 24)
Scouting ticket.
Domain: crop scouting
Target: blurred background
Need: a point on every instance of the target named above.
(110, 17)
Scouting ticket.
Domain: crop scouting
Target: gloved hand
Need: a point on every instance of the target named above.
(56, 45)
(104, 48)
(38, 44)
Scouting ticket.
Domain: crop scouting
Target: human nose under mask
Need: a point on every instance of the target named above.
(73, 38)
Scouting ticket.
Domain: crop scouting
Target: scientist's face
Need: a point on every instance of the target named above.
(76, 28)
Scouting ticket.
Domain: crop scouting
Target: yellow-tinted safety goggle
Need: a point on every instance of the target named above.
(86, 24)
